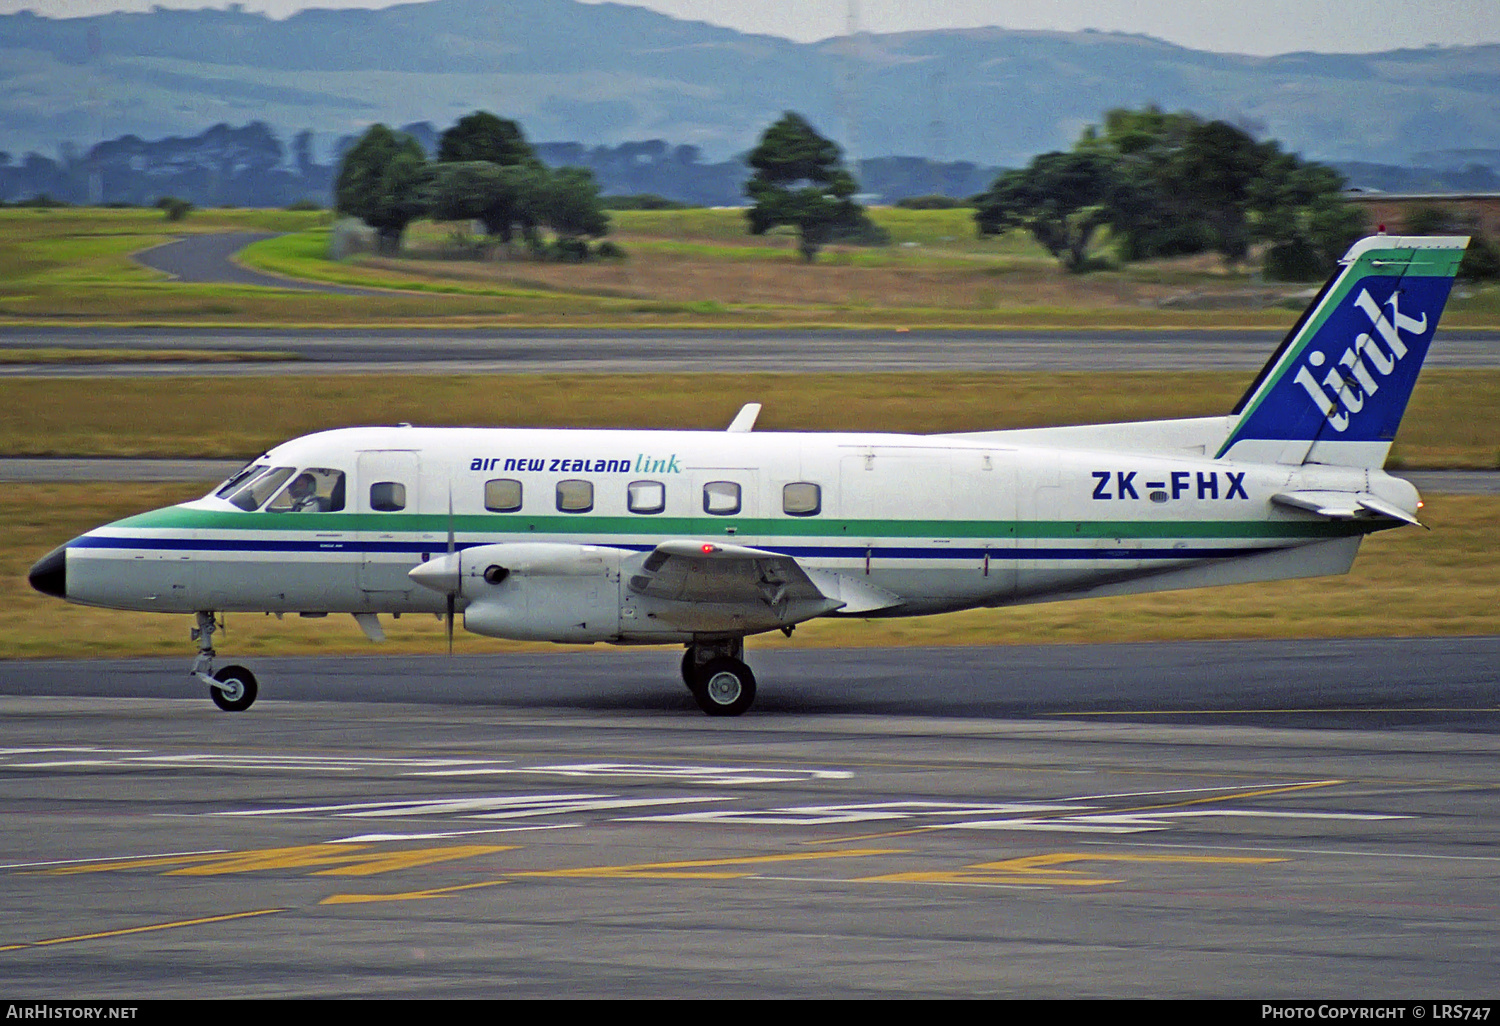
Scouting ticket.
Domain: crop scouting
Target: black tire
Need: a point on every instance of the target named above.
(241, 696)
(724, 687)
(689, 668)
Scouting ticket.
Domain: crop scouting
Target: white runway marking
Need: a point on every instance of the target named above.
(488, 807)
(711, 775)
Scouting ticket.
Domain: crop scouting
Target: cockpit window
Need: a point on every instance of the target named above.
(239, 477)
(314, 490)
(255, 491)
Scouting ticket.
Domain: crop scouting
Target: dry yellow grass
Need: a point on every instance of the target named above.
(1405, 582)
(841, 281)
(1453, 421)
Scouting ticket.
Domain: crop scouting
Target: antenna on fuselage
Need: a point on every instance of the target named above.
(745, 419)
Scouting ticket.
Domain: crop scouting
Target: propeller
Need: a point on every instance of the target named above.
(452, 592)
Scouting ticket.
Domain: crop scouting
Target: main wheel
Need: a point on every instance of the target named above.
(724, 687)
(239, 691)
(689, 668)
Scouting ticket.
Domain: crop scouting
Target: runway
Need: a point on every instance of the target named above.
(566, 351)
(1268, 820)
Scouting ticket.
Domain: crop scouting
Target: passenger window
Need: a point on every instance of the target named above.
(802, 499)
(575, 496)
(721, 498)
(502, 495)
(646, 496)
(387, 496)
(315, 490)
(257, 490)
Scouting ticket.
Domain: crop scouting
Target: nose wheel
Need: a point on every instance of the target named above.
(233, 688)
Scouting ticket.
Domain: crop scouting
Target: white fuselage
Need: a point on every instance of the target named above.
(895, 524)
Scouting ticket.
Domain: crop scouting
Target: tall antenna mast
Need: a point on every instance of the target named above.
(851, 88)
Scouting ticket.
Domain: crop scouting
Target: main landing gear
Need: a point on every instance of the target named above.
(716, 674)
(233, 687)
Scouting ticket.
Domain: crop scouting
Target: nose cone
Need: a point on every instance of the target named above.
(440, 574)
(50, 575)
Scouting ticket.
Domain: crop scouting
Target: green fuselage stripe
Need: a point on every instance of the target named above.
(179, 518)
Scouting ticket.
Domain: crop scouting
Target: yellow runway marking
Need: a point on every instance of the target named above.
(1289, 712)
(348, 860)
(144, 929)
(436, 892)
(1041, 869)
(688, 870)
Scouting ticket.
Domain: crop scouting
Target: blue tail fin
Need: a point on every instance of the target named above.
(1336, 389)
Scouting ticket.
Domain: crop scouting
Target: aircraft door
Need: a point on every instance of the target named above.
(387, 491)
(984, 498)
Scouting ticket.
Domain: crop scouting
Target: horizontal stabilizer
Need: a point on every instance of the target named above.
(1343, 505)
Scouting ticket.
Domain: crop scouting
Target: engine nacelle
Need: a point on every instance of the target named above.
(533, 591)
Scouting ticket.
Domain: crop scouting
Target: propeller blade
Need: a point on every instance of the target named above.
(452, 596)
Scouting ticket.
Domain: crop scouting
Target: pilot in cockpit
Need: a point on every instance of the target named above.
(303, 493)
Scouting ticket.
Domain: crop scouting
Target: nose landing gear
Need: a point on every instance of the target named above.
(233, 688)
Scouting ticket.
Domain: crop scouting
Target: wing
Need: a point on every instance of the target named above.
(707, 586)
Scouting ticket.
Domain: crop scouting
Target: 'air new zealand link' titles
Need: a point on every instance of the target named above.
(642, 464)
(1351, 392)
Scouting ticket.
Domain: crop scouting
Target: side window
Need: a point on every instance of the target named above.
(314, 490)
(502, 496)
(575, 496)
(387, 496)
(646, 496)
(721, 498)
(801, 499)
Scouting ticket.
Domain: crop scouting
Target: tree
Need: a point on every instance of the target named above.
(384, 181)
(571, 207)
(488, 172)
(799, 181)
(1298, 209)
(1060, 198)
(1182, 183)
(502, 198)
(483, 136)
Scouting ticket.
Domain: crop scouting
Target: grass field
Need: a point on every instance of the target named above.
(1453, 420)
(692, 267)
(1405, 582)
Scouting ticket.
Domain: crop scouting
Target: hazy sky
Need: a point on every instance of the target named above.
(1233, 26)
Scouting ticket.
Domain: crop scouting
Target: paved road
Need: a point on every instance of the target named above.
(1267, 820)
(542, 351)
(208, 259)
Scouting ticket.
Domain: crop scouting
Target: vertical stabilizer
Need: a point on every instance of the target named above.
(1336, 389)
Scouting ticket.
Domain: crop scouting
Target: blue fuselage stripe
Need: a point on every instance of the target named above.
(430, 549)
